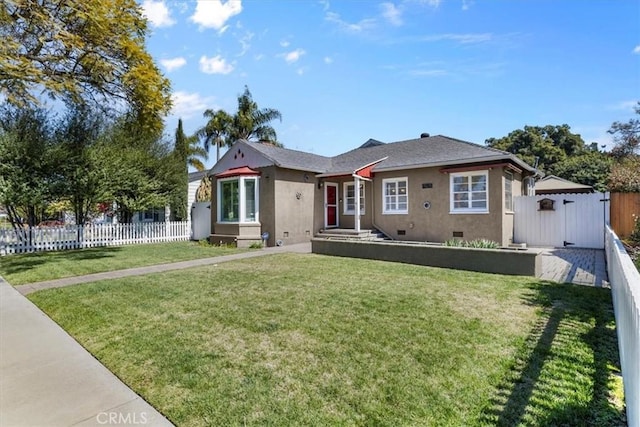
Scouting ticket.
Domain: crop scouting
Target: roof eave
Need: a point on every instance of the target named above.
(519, 162)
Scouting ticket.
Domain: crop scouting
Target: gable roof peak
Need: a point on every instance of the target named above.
(371, 143)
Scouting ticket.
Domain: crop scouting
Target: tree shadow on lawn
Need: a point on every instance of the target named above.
(561, 374)
(12, 264)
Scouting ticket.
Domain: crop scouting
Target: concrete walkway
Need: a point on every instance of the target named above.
(48, 379)
(139, 271)
(579, 266)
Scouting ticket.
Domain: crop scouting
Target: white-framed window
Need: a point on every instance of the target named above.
(350, 198)
(470, 192)
(508, 191)
(395, 195)
(238, 199)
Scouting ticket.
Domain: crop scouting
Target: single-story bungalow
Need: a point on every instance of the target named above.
(432, 188)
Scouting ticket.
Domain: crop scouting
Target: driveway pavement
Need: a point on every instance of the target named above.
(48, 379)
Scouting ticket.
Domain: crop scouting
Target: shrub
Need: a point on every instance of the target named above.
(635, 234)
(476, 243)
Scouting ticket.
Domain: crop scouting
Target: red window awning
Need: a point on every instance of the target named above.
(241, 171)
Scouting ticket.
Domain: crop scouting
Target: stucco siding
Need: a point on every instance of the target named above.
(294, 196)
(437, 223)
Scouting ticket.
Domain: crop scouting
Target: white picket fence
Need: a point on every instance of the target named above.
(88, 236)
(625, 289)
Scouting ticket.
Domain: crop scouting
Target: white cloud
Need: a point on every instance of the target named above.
(300, 71)
(466, 4)
(636, 49)
(215, 13)
(215, 65)
(259, 57)
(428, 73)
(391, 13)
(173, 63)
(461, 38)
(325, 5)
(293, 56)
(157, 13)
(432, 3)
(358, 27)
(623, 106)
(284, 43)
(328, 60)
(245, 42)
(187, 104)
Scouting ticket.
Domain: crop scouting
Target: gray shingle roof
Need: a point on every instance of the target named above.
(293, 159)
(435, 150)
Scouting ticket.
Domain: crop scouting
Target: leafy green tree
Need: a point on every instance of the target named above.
(216, 130)
(83, 182)
(544, 146)
(27, 178)
(252, 123)
(590, 168)
(625, 175)
(139, 168)
(626, 136)
(82, 51)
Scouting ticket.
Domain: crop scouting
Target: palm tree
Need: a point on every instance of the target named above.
(216, 130)
(252, 123)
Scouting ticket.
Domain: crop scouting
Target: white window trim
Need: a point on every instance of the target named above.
(456, 211)
(508, 176)
(241, 199)
(346, 211)
(384, 201)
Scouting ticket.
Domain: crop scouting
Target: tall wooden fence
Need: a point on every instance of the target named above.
(38, 239)
(623, 208)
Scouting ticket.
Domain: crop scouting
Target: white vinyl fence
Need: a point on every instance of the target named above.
(88, 236)
(625, 289)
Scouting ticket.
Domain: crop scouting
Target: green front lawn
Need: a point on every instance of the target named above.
(37, 267)
(314, 340)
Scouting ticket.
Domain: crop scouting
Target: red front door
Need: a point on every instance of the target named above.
(331, 205)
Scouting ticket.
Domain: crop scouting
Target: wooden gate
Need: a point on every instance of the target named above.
(561, 220)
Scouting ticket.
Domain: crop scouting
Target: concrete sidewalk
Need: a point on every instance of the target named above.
(48, 379)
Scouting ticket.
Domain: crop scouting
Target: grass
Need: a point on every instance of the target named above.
(30, 268)
(313, 340)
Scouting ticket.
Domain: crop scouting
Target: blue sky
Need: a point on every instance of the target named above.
(341, 72)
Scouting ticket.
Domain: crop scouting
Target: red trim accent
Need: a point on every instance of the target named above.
(365, 172)
(244, 170)
(479, 167)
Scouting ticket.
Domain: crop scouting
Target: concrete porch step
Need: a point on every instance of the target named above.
(350, 234)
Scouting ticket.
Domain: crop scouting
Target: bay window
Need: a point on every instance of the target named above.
(238, 199)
